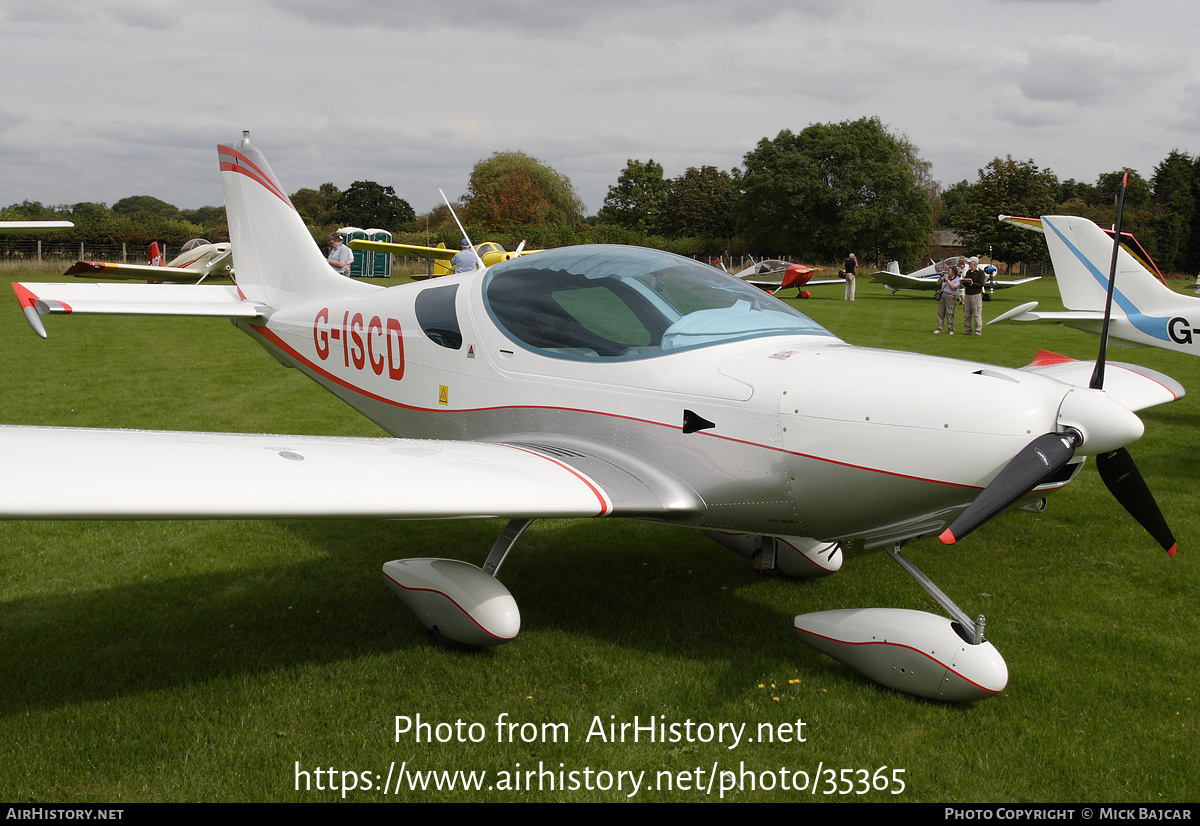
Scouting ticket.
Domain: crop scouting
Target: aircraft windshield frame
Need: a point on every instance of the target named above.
(611, 302)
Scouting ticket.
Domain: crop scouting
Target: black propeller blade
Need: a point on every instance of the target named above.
(1037, 461)
(1048, 453)
(1123, 480)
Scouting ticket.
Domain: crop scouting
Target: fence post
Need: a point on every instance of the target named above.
(39, 252)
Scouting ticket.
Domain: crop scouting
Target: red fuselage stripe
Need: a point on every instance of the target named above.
(272, 337)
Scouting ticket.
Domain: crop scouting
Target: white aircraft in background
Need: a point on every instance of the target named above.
(595, 381)
(927, 278)
(1146, 312)
(197, 260)
(26, 226)
(774, 276)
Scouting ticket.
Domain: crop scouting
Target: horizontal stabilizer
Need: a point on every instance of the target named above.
(136, 299)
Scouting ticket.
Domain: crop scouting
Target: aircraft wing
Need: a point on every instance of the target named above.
(137, 272)
(139, 474)
(1132, 385)
(128, 474)
(26, 226)
(775, 285)
(221, 301)
(896, 281)
(1000, 285)
(440, 253)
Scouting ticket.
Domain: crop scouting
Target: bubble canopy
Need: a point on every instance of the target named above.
(605, 302)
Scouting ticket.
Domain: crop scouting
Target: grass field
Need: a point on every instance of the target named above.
(178, 661)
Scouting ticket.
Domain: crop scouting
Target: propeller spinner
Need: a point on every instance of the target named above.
(1092, 423)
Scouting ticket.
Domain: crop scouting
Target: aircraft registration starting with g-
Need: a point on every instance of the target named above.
(600, 381)
(1146, 312)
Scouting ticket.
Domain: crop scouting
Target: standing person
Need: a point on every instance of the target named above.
(947, 298)
(973, 282)
(851, 266)
(465, 260)
(340, 256)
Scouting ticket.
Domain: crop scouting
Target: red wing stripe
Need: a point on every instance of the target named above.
(605, 504)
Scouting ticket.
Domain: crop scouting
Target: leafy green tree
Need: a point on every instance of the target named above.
(699, 204)
(1007, 187)
(1108, 185)
(636, 200)
(368, 204)
(205, 216)
(35, 211)
(511, 188)
(318, 207)
(146, 204)
(832, 189)
(94, 222)
(1174, 209)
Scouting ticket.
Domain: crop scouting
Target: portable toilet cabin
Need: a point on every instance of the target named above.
(379, 264)
(360, 267)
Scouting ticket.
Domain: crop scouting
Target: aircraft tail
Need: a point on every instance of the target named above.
(1082, 255)
(277, 262)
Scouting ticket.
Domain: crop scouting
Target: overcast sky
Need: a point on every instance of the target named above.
(111, 98)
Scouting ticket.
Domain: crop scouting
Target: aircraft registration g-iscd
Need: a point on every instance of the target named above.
(599, 381)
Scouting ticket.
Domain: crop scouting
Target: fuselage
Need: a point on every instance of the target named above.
(804, 434)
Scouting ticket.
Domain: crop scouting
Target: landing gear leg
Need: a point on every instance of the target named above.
(912, 651)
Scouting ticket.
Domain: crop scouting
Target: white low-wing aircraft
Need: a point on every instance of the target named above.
(197, 260)
(927, 278)
(1146, 312)
(599, 381)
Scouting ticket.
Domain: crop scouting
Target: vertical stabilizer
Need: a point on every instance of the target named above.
(1082, 252)
(277, 262)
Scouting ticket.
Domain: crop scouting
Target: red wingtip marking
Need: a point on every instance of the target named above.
(1171, 552)
(24, 297)
(1045, 357)
(947, 537)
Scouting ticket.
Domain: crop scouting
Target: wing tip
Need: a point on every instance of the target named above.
(947, 537)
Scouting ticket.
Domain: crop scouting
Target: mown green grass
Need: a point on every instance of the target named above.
(201, 660)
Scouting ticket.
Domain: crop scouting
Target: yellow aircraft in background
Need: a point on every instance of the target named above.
(489, 253)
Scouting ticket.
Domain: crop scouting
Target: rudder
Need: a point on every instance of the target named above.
(277, 262)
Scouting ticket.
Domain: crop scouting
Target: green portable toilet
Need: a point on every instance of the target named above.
(361, 265)
(379, 263)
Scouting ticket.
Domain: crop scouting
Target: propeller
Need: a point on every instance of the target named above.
(1050, 452)
(1036, 462)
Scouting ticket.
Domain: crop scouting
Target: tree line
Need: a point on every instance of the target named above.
(816, 195)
